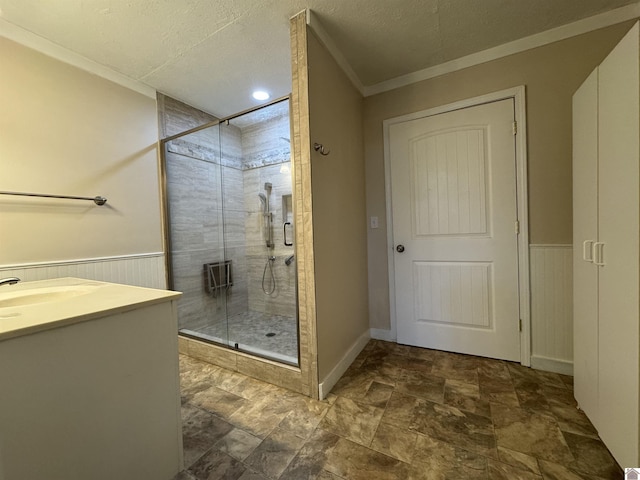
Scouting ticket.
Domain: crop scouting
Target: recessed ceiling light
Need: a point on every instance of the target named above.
(261, 95)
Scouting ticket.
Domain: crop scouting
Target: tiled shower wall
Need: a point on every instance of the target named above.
(254, 151)
(282, 301)
(198, 181)
(267, 158)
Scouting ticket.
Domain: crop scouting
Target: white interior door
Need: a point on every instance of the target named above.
(453, 191)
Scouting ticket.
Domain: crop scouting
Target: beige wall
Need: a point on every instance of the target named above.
(65, 131)
(551, 74)
(339, 222)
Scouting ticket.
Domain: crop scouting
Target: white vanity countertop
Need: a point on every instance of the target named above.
(30, 307)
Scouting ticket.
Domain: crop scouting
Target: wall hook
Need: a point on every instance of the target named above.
(318, 147)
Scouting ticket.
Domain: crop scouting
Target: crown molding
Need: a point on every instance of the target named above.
(314, 23)
(58, 52)
(563, 32)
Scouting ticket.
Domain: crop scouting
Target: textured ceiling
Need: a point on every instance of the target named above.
(214, 53)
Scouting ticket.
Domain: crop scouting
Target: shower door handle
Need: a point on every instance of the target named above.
(284, 234)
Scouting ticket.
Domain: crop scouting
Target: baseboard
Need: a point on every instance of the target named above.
(564, 367)
(330, 380)
(380, 334)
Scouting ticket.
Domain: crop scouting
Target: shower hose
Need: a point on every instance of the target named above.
(269, 265)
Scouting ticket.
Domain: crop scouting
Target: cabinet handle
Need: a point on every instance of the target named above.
(598, 254)
(587, 252)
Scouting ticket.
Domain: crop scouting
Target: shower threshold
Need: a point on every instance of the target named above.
(253, 350)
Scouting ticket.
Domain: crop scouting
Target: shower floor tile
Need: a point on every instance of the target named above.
(271, 336)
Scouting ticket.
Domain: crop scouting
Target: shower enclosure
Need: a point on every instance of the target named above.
(230, 229)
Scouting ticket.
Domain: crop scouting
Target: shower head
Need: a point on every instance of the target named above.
(263, 199)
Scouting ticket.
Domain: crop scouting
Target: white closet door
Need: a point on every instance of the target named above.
(585, 234)
(619, 153)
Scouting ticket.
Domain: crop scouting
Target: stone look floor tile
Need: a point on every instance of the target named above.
(310, 461)
(397, 413)
(304, 417)
(519, 460)
(463, 368)
(467, 430)
(571, 419)
(352, 420)
(554, 471)
(249, 475)
(275, 452)
(466, 396)
(184, 475)
(216, 465)
(384, 368)
(200, 431)
(395, 442)
(218, 401)
(354, 384)
(261, 416)
(378, 394)
(591, 457)
(422, 385)
(324, 475)
(531, 396)
(497, 389)
(502, 471)
(355, 462)
(238, 444)
(531, 433)
(435, 459)
(400, 410)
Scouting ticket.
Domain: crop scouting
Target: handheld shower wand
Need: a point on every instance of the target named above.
(267, 215)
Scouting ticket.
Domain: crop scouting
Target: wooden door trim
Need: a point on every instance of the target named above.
(522, 198)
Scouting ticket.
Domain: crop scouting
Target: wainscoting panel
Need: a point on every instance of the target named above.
(145, 270)
(551, 268)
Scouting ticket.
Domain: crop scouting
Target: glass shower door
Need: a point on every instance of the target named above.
(258, 218)
(196, 234)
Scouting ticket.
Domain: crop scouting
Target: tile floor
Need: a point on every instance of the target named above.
(398, 413)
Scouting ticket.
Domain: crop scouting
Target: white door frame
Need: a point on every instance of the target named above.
(518, 96)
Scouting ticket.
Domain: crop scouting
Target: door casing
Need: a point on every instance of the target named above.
(518, 96)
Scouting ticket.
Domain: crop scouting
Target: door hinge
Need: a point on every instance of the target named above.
(517, 227)
(520, 324)
(515, 128)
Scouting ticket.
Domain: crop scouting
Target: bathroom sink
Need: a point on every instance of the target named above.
(43, 295)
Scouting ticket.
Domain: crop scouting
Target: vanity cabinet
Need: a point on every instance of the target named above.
(606, 179)
(89, 385)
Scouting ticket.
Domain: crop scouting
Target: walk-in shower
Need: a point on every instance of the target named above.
(230, 225)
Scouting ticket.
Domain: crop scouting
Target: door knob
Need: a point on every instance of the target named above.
(400, 248)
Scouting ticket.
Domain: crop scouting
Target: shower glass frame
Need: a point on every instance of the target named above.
(219, 187)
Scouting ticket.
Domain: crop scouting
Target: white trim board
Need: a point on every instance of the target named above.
(143, 270)
(334, 375)
(81, 260)
(327, 41)
(381, 334)
(518, 95)
(552, 365)
(46, 47)
(557, 34)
